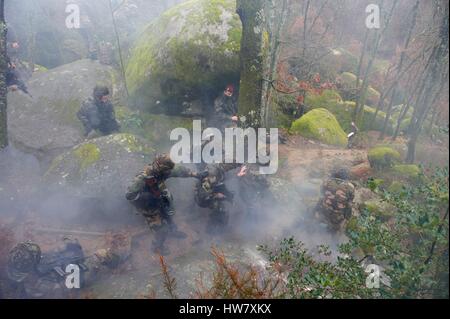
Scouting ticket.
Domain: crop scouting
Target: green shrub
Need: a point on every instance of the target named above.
(383, 157)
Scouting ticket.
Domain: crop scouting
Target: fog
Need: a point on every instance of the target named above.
(37, 207)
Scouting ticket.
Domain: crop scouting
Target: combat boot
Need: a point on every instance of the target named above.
(173, 229)
(176, 233)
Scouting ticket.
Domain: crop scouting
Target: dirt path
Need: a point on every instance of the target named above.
(302, 159)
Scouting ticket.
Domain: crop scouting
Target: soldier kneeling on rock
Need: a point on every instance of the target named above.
(97, 114)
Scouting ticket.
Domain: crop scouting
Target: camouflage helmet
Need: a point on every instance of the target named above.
(216, 173)
(162, 163)
(22, 260)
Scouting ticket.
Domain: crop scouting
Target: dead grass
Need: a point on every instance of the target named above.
(233, 281)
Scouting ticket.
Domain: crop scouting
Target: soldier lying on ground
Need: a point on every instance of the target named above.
(33, 274)
(150, 196)
(97, 114)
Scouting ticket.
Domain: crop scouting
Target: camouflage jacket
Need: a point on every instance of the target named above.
(146, 190)
(208, 188)
(98, 117)
(225, 107)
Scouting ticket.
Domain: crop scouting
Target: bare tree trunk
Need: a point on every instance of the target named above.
(3, 70)
(253, 50)
(278, 24)
(119, 48)
(263, 22)
(361, 101)
(432, 120)
(403, 113)
(361, 59)
(434, 75)
(399, 69)
(305, 27)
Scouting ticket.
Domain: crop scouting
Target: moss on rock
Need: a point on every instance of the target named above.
(191, 46)
(321, 125)
(87, 154)
(343, 110)
(349, 82)
(383, 157)
(102, 165)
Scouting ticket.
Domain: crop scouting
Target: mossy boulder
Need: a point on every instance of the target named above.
(192, 47)
(100, 166)
(320, 125)
(47, 122)
(381, 157)
(343, 110)
(348, 81)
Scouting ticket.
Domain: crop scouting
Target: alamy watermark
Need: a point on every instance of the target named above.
(72, 276)
(73, 19)
(373, 18)
(376, 276)
(211, 147)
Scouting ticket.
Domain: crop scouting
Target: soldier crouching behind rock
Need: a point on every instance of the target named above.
(33, 274)
(150, 196)
(97, 114)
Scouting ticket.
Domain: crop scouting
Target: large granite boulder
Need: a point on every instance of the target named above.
(191, 48)
(102, 166)
(46, 123)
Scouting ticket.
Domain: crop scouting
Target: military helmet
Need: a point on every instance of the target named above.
(100, 91)
(22, 260)
(162, 163)
(216, 173)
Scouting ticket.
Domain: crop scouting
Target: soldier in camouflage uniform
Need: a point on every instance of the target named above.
(226, 109)
(97, 114)
(336, 204)
(150, 196)
(33, 274)
(211, 193)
